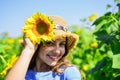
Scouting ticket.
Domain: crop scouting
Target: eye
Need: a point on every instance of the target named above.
(62, 43)
(49, 43)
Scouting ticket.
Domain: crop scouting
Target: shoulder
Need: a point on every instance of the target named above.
(72, 69)
(72, 73)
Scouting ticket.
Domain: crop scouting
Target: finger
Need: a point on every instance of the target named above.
(24, 39)
(36, 46)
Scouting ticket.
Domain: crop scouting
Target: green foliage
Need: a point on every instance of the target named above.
(102, 61)
(116, 63)
(107, 33)
(8, 47)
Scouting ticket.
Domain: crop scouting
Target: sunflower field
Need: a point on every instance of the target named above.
(97, 53)
(10, 49)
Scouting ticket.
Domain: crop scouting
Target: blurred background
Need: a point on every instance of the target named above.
(14, 13)
(97, 22)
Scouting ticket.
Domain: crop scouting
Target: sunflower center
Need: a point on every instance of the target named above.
(41, 28)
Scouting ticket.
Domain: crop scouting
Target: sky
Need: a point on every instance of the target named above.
(13, 13)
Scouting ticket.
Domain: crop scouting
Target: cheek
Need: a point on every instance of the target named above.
(44, 51)
(63, 51)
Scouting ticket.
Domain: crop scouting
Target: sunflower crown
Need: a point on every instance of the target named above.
(38, 28)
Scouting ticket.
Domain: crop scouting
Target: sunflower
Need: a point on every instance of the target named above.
(38, 28)
(92, 17)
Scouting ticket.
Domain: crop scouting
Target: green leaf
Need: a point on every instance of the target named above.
(98, 21)
(108, 6)
(108, 14)
(117, 15)
(103, 22)
(2, 60)
(77, 61)
(115, 46)
(116, 0)
(104, 36)
(99, 26)
(114, 26)
(98, 66)
(116, 61)
(2, 48)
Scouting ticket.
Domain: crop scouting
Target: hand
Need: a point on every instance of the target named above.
(29, 45)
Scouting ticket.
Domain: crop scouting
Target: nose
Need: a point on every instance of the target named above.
(56, 50)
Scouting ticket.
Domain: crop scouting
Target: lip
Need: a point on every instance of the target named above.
(53, 58)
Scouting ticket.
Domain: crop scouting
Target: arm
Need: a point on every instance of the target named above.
(19, 70)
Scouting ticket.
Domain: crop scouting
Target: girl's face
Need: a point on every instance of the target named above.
(51, 52)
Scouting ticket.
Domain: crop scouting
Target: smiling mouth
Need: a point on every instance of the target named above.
(53, 58)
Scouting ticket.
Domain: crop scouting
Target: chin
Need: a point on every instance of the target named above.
(52, 64)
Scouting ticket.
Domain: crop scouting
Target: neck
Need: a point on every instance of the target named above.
(41, 66)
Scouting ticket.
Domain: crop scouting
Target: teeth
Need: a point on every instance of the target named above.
(53, 56)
